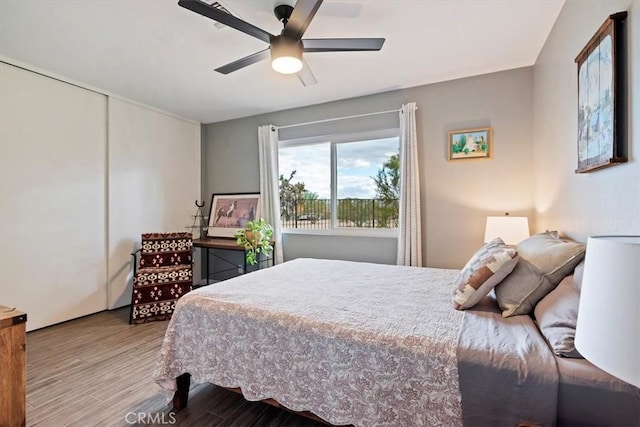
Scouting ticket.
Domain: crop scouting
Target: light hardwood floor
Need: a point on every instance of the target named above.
(96, 371)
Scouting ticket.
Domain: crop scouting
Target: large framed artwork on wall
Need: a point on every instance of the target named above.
(231, 212)
(602, 97)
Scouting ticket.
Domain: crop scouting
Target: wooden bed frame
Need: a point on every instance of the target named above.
(181, 398)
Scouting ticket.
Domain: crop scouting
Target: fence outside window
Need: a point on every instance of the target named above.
(351, 213)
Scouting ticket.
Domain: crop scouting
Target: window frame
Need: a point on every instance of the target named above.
(334, 140)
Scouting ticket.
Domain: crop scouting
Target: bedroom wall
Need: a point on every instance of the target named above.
(601, 202)
(456, 196)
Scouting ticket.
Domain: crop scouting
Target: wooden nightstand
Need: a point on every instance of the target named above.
(13, 381)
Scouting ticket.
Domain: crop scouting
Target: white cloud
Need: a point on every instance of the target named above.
(353, 163)
(361, 187)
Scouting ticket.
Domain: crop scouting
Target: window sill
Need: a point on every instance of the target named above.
(345, 232)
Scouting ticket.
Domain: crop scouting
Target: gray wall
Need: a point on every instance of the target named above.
(456, 196)
(601, 202)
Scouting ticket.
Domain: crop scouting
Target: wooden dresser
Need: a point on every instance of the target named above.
(13, 372)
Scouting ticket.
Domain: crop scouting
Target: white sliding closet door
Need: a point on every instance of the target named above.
(52, 197)
(154, 180)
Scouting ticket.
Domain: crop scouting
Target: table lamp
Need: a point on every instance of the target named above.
(608, 329)
(511, 229)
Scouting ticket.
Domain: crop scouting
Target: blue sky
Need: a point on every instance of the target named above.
(357, 163)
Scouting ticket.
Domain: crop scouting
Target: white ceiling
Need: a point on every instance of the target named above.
(159, 54)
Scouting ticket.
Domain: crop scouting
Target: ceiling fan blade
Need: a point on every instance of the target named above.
(306, 76)
(341, 45)
(303, 13)
(204, 9)
(243, 62)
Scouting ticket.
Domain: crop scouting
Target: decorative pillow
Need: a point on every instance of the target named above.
(486, 268)
(557, 316)
(545, 260)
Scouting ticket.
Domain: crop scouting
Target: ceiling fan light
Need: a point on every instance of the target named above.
(286, 57)
(286, 64)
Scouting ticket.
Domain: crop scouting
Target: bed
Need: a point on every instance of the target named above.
(366, 344)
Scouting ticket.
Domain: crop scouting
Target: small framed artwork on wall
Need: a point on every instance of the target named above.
(602, 102)
(231, 212)
(470, 144)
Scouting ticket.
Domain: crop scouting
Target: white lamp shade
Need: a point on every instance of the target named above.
(511, 229)
(608, 329)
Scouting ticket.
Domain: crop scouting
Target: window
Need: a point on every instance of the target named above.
(340, 183)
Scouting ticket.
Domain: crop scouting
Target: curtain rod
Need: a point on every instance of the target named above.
(337, 118)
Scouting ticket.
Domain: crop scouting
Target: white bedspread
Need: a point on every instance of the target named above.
(354, 343)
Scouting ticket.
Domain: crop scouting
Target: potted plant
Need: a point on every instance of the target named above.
(256, 239)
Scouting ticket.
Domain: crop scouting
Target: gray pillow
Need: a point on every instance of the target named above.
(577, 276)
(557, 316)
(544, 261)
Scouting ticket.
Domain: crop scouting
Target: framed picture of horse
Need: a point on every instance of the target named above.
(231, 212)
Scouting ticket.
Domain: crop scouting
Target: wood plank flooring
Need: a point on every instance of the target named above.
(96, 371)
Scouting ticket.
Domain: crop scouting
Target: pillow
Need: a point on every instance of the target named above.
(557, 316)
(486, 268)
(577, 276)
(545, 260)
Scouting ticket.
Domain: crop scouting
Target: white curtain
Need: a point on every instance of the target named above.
(410, 237)
(269, 194)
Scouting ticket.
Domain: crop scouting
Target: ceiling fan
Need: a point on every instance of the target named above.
(286, 48)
